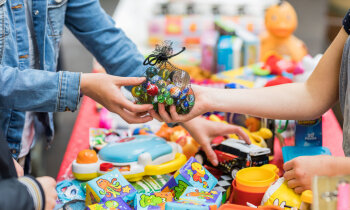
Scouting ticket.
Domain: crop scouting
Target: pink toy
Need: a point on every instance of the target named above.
(343, 196)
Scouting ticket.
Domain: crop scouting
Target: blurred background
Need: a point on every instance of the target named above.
(319, 21)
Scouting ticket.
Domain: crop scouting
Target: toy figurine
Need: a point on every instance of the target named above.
(280, 22)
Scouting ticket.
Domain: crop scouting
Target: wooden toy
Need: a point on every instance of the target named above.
(110, 185)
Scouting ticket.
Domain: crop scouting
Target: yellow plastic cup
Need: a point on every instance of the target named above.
(256, 179)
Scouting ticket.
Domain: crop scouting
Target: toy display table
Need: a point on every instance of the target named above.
(89, 117)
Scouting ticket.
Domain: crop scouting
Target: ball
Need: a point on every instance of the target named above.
(136, 91)
(175, 92)
(152, 90)
(151, 71)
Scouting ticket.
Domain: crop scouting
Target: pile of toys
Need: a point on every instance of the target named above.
(141, 184)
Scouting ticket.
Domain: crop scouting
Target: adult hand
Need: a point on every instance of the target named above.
(200, 107)
(204, 131)
(106, 90)
(18, 167)
(49, 186)
(300, 171)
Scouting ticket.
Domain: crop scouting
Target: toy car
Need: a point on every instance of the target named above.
(234, 155)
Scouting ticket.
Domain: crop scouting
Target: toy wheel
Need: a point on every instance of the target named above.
(201, 157)
(234, 172)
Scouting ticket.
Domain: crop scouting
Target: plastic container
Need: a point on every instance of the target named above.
(256, 179)
(241, 197)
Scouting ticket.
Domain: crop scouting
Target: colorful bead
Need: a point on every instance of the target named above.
(175, 92)
(166, 94)
(169, 101)
(136, 91)
(152, 90)
(184, 105)
(190, 98)
(160, 98)
(184, 93)
(163, 90)
(145, 85)
(155, 79)
(170, 86)
(164, 73)
(161, 83)
(151, 71)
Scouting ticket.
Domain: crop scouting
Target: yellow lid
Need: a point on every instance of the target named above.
(306, 196)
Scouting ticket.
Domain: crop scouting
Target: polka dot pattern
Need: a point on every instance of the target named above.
(346, 22)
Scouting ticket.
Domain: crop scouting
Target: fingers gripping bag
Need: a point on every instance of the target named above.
(165, 83)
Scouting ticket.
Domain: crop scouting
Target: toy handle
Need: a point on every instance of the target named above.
(168, 167)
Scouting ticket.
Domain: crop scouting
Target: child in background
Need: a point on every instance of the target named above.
(297, 101)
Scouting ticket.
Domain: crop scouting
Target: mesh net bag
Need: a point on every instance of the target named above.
(165, 83)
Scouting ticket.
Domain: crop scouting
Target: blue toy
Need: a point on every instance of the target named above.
(69, 190)
(191, 174)
(110, 185)
(114, 203)
(142, 155)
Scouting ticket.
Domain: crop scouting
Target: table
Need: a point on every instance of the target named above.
(89, 117)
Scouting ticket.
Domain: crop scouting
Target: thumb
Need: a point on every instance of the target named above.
(211, 155)
(128, 81)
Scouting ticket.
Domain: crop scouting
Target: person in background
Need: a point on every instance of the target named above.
(297, 101)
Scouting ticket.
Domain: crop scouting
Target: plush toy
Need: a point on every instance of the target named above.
(280, 22)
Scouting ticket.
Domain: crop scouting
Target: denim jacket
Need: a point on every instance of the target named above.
(46, 90)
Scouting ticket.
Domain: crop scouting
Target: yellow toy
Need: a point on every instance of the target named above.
(280, 22)
(279, 194)
(257, 138)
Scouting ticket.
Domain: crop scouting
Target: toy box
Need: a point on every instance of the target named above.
(209, 198)
(150, 184)
(308, 132)
(152, 201)
(114, 203)
(110, 185)
(183, 204)
(191, 174)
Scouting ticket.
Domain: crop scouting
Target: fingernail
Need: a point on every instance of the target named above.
(215, 162)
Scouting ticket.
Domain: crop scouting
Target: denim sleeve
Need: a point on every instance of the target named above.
(97, 32)
(37, 90)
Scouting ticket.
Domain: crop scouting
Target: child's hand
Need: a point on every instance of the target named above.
(200, 107)
(49, 186)
(18, 167)
(300, 171)
(204, 131)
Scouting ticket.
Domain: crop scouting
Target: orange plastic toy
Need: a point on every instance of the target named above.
(179, 135)
(87, 156)
(281, 21)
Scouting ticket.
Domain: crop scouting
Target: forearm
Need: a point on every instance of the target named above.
(97, 32)
(24, 194)
(37, 90)
(290, 101)
(338, 166)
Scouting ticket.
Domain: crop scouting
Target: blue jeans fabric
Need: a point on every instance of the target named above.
(46, 90)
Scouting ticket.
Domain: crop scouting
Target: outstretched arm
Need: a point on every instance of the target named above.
(290, 101)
